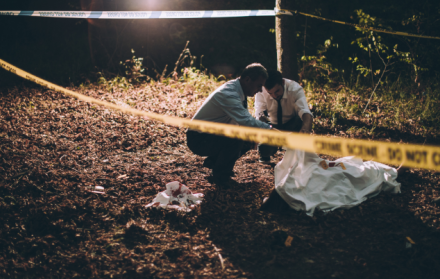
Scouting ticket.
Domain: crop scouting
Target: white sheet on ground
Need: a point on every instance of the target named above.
(303, 182)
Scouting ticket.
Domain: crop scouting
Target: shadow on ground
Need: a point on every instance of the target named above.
(367, 241)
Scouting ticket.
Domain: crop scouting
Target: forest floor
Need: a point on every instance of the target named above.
(53, 147)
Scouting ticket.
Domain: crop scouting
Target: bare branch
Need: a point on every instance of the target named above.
(383, 72)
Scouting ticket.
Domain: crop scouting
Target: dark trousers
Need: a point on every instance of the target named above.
(293, 125)
(222, 152)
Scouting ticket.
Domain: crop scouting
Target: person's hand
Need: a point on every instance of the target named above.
(264, 119)
(307, 124)
(305, 131)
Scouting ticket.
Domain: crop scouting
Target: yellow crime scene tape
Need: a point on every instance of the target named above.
(290, 12)
(410, 155)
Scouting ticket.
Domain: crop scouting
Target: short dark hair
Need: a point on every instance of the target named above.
(275, 77)
(254, 71)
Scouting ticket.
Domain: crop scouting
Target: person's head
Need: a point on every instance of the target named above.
(253, 78)
(274, 84)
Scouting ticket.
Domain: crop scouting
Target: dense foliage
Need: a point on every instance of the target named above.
(64, 50)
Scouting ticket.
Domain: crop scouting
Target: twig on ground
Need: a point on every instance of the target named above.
(222, 262)
(381, 76)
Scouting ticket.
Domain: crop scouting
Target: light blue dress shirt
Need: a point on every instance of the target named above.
(225, 105)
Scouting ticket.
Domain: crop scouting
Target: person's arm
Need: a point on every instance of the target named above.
(233, 107)
(260, 106)
(307, 123)
(304, 112)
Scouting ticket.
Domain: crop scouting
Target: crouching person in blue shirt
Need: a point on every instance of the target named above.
(227, 104)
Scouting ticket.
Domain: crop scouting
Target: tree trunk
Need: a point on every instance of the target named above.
(285, 31)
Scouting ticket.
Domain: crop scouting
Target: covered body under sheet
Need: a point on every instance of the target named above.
(307, 182)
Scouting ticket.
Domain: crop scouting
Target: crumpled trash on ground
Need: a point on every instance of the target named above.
(177, 196)
(307, 182)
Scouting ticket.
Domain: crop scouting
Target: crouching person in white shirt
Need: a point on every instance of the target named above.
(283, 104)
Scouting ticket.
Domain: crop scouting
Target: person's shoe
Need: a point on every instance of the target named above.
(264, 160)
(274, 203)
(209, 163)
(222, 182)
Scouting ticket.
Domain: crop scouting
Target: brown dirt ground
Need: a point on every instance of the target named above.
(53, 147)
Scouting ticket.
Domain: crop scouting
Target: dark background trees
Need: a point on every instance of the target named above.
(67, 50)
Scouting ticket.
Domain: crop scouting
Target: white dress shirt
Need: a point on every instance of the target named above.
(293, 102)
(225, 105)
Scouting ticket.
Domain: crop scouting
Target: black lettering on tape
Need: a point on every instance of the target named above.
(213, 130)
(395, 154)
(416, 156)
(231, 13)
(360, 150)
(328, 146)
(250, 137)
(182, 14)
(436, 158)
(114, 14)
(235, 134)
(245, 136)
(74, 14)
(30, 78)
(9, 68)
(194, 127)
(60, 14)
(275, 140)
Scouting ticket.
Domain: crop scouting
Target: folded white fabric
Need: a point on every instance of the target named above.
(307, 182)
(176, 196)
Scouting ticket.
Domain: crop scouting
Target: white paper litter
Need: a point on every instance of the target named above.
(307, 183)
(96, 189)
(176, 196)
